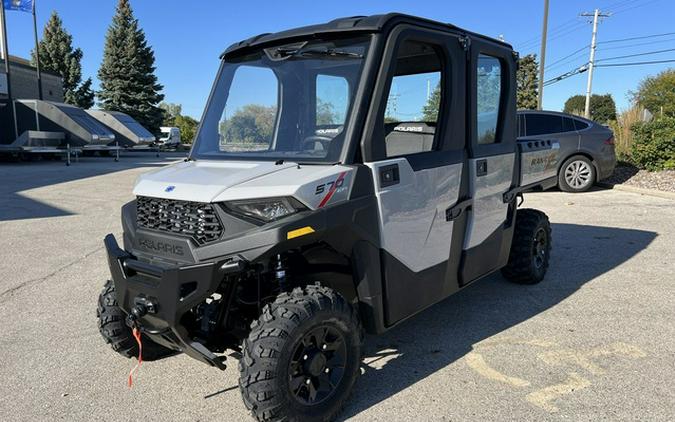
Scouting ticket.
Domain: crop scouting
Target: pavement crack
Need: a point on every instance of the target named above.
(7, 293)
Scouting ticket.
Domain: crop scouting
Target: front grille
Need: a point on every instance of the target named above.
(194, 219)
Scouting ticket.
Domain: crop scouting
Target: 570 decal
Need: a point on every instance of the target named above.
(322, 188)
(331, 187)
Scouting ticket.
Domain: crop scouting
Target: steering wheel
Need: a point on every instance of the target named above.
(323, 140)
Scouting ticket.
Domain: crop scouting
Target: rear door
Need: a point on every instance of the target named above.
(492, 131)
(414, 145)
(553, 126)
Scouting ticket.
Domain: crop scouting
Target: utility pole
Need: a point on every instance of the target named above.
(5, 53)
(542, 57)
(591, 61)
(37, 55)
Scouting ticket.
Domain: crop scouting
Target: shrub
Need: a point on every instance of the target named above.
(654, 144)
(623, 135)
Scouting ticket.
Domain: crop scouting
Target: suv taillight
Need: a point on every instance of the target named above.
(610, 140)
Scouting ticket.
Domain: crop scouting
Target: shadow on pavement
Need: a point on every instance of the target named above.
(447, 331)
(18, 177)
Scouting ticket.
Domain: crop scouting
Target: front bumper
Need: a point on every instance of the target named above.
(171, 293)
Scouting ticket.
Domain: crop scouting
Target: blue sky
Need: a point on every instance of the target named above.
(188, 36)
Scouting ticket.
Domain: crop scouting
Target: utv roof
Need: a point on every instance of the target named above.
(356, 24)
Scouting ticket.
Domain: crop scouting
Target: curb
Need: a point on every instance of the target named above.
(641, 191)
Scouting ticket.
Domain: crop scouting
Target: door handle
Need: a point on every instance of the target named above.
(481, 168)
(389, 175)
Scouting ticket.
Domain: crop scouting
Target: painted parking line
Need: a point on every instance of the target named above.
(585, 359)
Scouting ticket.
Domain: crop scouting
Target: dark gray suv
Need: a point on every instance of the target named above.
(586, 147)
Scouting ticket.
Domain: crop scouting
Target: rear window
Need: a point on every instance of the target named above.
(542, 124)
(580, 125)
(568, 124)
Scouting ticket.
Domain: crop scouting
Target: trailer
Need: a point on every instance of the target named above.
(128, 132)
(80, 129)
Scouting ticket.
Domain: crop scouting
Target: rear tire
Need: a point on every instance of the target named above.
(530, 248)
(115, 332)
(577, 174)
(302, 357)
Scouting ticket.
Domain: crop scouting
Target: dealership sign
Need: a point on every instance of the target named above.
(3, 84)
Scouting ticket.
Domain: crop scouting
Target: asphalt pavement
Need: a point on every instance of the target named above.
(594, 341)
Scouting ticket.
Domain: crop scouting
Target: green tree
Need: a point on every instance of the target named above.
(188, 128)
(657, 93)
(171, 111)
(58, 55)
(527, 79)
(325, 113)
(430, 109)
(127, 74)
(85, 95)
(603, 108)
(252, 123)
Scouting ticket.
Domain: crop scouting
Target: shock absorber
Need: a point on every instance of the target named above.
(280, 272)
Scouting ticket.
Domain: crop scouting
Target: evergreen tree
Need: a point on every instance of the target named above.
(128, 82)
(58, 55)
(85, 95)
(527, 80)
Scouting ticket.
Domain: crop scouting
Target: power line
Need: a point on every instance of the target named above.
(637, 38)
(580, 69)
(556, 29)
(638, 44)
(635, 55)
(553, 35)
(635, 63)
(574, 53)
(634, 7)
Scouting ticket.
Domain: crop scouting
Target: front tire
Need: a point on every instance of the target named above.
(115, 332)
(577, 174)
(530, 248)
(302, 357)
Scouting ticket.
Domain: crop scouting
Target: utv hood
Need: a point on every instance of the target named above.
(201, 181)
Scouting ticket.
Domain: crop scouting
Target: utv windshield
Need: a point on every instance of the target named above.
(286, 102)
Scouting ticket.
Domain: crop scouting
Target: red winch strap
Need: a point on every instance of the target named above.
(137, 335)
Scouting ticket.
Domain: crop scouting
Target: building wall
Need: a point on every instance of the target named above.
(23, 79)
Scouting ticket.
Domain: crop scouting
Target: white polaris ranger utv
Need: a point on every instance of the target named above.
(345, 176)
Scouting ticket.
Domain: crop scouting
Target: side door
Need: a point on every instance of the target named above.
(553, 126)
(414, 144)
(492, 128)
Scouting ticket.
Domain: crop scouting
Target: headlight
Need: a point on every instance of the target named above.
(266, 209)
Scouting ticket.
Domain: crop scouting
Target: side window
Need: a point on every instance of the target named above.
(249, 125)
(488, 98)
(414, 101)
(580, 125)
(521, 125)
(542, 124)
(332, 97)
(568, 125)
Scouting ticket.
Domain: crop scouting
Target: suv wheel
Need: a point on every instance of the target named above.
(302, 357)
(530, 249)
(577, 174)
(115, 332)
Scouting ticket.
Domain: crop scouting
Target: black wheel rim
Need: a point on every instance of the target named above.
(317, 365)
(539, 248)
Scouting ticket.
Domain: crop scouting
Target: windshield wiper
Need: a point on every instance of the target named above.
(315, 52)
(331, 52)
